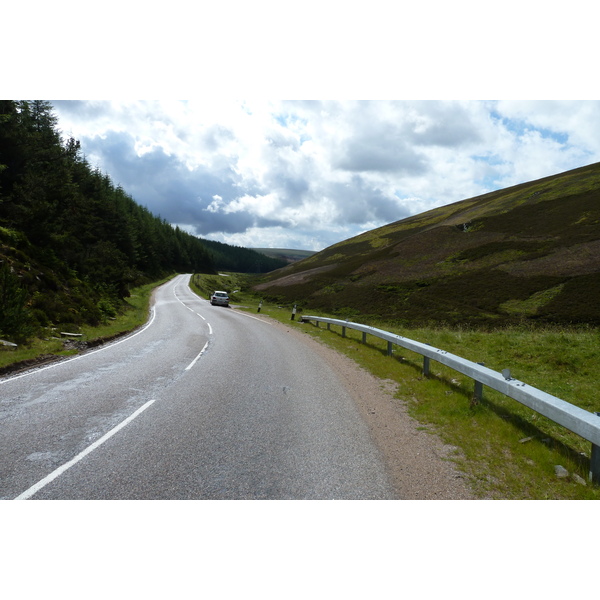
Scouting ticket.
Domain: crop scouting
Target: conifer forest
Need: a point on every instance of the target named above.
(72, 243)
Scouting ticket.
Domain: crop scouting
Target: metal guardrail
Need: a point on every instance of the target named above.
(578, 420)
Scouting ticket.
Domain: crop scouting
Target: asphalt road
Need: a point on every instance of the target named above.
(202, 403)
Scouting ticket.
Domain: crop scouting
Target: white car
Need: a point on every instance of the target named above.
(220, 298)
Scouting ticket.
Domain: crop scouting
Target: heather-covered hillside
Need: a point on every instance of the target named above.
(529, 252)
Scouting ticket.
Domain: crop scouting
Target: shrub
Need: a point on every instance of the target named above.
(16, 321)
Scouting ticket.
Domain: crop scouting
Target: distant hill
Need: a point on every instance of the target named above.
(289, 256)
(530, 252)
(226, 257)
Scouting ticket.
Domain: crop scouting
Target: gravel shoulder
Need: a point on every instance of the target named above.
(419, 464)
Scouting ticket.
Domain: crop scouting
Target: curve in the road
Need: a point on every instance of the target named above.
(224, 406)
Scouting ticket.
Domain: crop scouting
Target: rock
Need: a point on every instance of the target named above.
(560, 471)
(527, 439)
(74, 345)
(578, 479)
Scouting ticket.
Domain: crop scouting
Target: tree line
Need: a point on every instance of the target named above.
(72, 243)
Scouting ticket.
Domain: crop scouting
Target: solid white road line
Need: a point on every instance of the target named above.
(44, 482)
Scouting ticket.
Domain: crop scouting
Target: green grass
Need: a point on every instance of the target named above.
(508, 450)
(37, 348)
(133, 313)
(532, 304)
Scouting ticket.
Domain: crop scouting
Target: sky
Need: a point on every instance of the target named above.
(307, 174)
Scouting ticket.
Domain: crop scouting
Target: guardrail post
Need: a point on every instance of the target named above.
(343, 331)
(595, 463)
(426, 366)
(364, 338)
(478, 391)
(389, 349)
(329, 326)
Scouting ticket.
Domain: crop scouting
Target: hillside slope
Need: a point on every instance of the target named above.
(528, 252)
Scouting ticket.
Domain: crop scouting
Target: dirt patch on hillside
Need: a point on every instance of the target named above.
(419, 464)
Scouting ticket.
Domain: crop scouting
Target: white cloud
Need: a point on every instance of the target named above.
(309, 174)
(216, 205)
(264, 205)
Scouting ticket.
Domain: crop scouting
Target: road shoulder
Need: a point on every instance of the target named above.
(419, 464)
